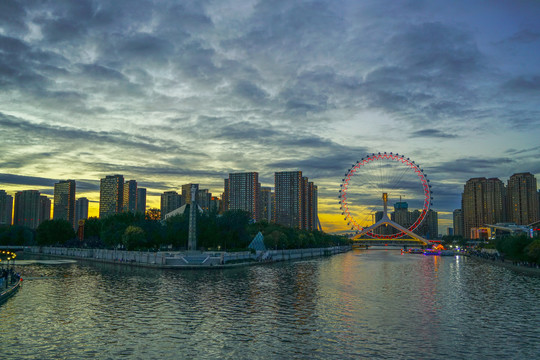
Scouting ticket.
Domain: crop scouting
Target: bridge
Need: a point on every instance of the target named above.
(413, 240)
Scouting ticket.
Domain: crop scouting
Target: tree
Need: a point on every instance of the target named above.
(513, 246)
(52, 232)
(133, 238)
(153, 214)
(533, 251)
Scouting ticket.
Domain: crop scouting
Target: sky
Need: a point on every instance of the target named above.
(174, 92)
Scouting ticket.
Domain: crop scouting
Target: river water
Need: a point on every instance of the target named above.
(372, 304)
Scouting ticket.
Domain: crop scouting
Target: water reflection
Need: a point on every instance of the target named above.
(360, 304)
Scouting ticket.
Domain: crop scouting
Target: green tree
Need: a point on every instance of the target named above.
(134, 238)
(51, 232)
(533, 251)
(177, 230)
(513, 246)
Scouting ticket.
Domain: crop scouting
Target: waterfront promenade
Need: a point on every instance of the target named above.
(490, 258)
(186, 260)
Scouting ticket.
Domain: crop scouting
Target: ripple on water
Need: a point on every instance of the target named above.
(357, 305)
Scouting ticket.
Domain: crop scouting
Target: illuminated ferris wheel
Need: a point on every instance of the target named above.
(379, 180)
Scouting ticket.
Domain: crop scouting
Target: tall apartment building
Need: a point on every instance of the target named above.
(130, 196)
(170, 200)
(44, 208)
(242, 191)
(203, 199)
(81, 209)
(522, 199)
(141, 200)
(401, 214)
(64, 201)
(6, 208)
(495, 201)
(312, 209)
(266, 205)
(295, 200)
(186, 193)
(225, 196)
(429, 227)
(483, 202)
(31, 208)
(458, 223)
(215, 204)
(289, 190)
(111, 195)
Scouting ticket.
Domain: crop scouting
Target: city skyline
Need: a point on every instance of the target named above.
(190, 92)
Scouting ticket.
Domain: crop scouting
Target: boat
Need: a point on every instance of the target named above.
(10, 291)
(432, 252)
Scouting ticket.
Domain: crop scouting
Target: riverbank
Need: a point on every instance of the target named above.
(10, 290)
(185, 260)
(509, 264)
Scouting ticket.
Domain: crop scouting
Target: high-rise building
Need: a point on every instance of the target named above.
(225, 196)
(170, 200)
(432, 224)
(215, 204)
(312, 200)
(483, 202)
(295, 200)
(495, 199)
(472, 204)
(458, 222)
(401, 214)
(111, 195)
(243, 193)
(6, 208)
(522, 199)
(81, 209)
(266, 199)
(186, 193)
(289, 190)
(429, 228)
(130, 196)
(31, 208)
(64, 201)
(203, 199)
(44, 208)
(141, 200)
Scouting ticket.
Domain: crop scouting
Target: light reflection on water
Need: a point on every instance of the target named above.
(363, 304)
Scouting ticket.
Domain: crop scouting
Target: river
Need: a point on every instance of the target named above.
(373, 304)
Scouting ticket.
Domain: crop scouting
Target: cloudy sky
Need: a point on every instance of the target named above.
(172, 92)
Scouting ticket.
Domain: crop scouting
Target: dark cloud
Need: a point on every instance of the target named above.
(523, 84)
(432, 133)
(472, 166)
(187, 90)
(71, 134)
(523, 37)
(26, 180)
(522, 151)
(250, 91)
(331, 164)
(12, 16)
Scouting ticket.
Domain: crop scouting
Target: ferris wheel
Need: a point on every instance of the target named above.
(379, 180)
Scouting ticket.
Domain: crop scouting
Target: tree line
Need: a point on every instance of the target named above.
(519, 247)
(230, 231)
